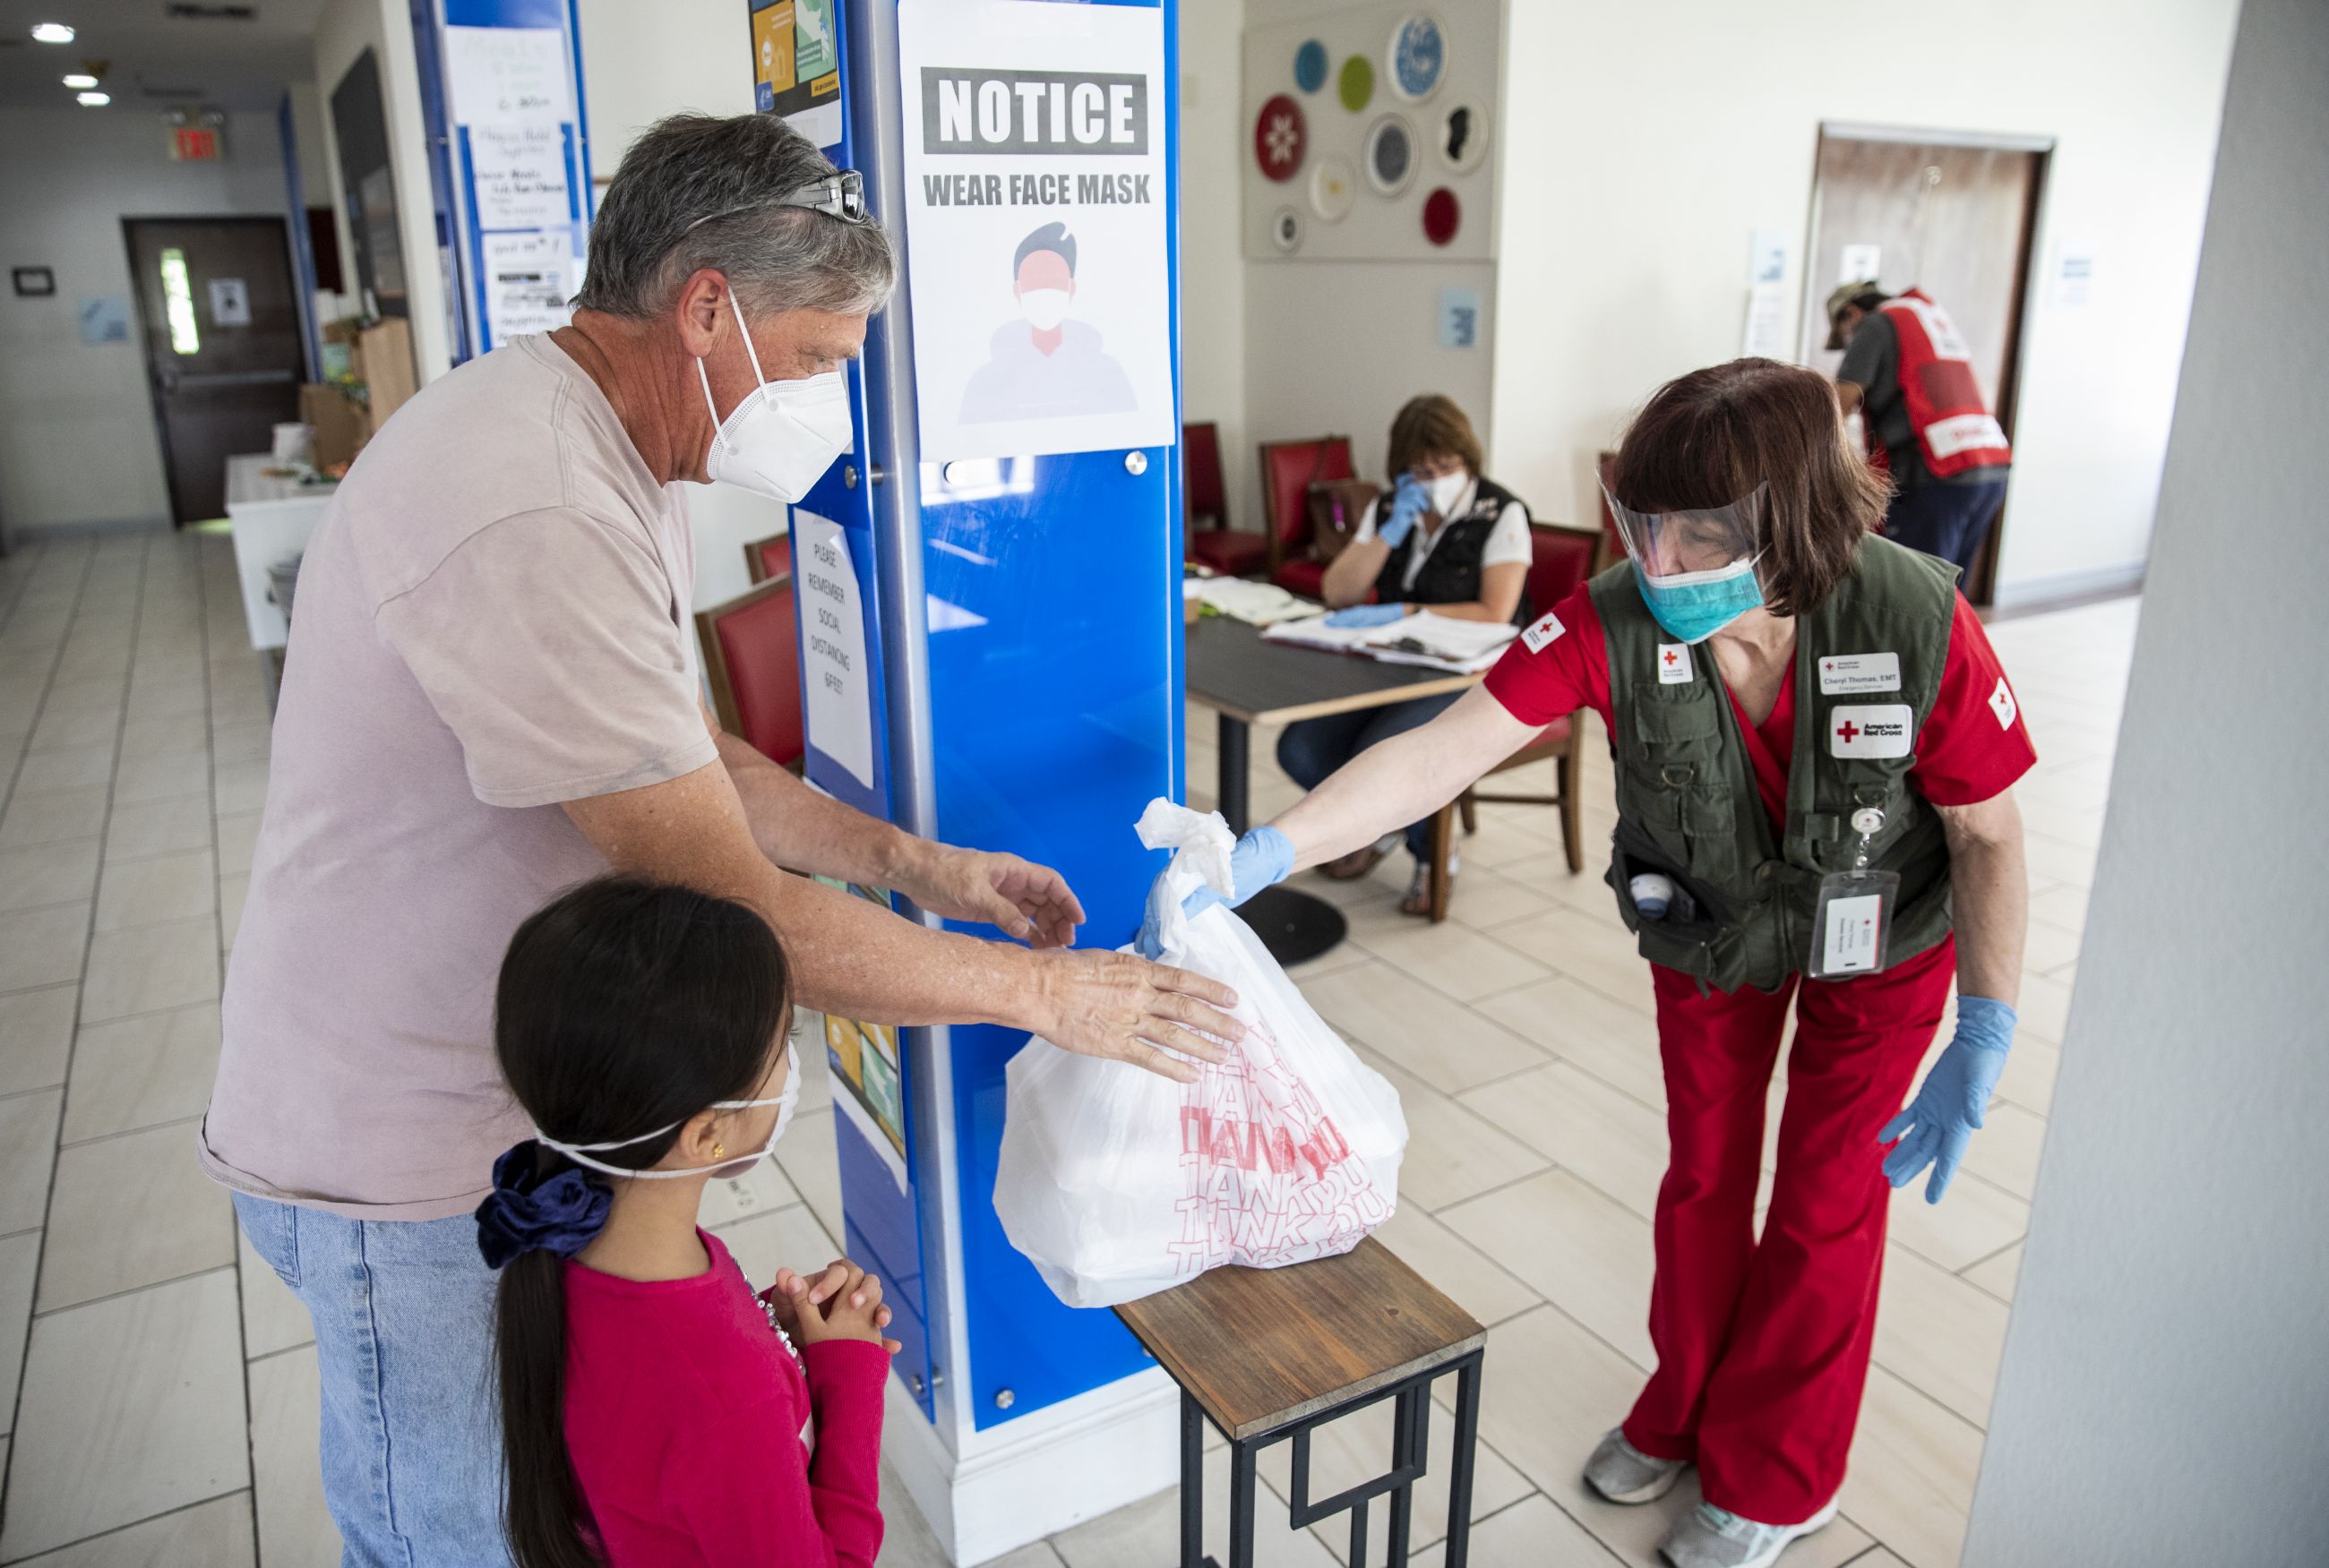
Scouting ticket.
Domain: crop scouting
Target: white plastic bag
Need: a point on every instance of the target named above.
(1116, 1183)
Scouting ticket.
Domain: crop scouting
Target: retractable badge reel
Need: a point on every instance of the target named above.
(1852, 926)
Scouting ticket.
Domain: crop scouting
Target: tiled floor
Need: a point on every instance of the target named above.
(159, 1385)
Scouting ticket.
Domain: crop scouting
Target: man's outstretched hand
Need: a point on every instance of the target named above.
(1123, 1008)
(1016, 896)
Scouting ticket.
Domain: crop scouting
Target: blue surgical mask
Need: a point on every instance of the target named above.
(1694, 606)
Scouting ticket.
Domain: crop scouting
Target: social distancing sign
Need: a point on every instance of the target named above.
(1039, 272)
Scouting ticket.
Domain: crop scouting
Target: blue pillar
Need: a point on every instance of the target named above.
(1020, 679)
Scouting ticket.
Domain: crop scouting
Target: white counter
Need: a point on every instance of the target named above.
(272, 519)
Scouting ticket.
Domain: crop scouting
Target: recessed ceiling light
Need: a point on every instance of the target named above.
(52, 32)
(80, 79)
(95, 100)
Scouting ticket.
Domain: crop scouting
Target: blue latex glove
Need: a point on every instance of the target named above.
(1410, 499)
(1262, 860)
(1936, 1125)
(1368, 616)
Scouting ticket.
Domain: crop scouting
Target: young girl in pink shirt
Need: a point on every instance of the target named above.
(655, 1412)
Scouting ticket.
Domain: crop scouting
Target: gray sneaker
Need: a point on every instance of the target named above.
(1712, 1537)
(1624, 1474)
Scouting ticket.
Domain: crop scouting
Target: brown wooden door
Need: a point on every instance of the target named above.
(223, 347)
(1955, 221)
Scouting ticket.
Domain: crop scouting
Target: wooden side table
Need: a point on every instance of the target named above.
(1270, 1354)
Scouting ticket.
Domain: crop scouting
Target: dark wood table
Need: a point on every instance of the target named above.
(1268, 1355)
(1247, 679)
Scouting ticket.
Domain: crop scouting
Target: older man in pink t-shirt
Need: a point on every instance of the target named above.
(491, 694)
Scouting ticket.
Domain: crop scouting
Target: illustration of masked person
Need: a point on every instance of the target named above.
(1042, 364)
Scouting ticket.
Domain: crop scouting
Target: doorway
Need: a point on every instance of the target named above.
(1953, 215)
(224, 352)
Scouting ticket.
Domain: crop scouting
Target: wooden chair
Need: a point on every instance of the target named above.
(1203, 497)
(1288, 468)
(1613, 548)
(751, 658)
(1564, 557)
(1268, 1355)
(768, 558)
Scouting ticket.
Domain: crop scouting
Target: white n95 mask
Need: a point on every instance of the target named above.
(782, 437)
(1446, 490)
(1044, 309)
(785, 1102)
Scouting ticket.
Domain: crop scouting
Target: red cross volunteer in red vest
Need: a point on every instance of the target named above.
(1906, 369)
(1815, 750)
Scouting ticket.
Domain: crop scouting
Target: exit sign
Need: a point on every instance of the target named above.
(193, 143)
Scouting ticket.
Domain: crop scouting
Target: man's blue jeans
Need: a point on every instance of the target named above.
(1947, 521)
(412, 1438)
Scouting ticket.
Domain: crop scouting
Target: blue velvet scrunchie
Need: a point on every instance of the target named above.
(561, 1214)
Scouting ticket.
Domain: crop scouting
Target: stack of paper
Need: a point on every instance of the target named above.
(1437, 642)
(1240, 599)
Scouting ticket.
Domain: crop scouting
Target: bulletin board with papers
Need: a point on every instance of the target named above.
(515, 119)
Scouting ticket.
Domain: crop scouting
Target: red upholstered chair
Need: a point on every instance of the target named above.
(1564, 557)
(768, 558)
(1220, 547)
(1288, 468)
(751, 657)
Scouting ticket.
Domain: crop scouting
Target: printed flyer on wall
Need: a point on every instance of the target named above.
(868, 1086)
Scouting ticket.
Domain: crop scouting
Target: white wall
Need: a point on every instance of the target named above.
(77, 439)
(1337, 346)
(2162, 1393)
(308, 117)
(1212, 271)
(344, 30)
(1644, 142)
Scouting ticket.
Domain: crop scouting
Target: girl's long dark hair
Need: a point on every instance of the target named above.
(623, 1006)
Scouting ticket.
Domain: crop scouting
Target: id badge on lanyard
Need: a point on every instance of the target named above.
(1851, 925)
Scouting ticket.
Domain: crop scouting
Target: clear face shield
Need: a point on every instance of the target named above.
(1697, 569)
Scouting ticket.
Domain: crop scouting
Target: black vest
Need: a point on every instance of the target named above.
(1451, 572)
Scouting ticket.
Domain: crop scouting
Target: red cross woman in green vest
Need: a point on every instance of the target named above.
(1814, 748)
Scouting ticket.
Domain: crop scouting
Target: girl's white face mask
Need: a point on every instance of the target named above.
(782, 437)
(580, 1153)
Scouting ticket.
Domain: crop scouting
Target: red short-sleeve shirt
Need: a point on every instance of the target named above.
(1973, 745)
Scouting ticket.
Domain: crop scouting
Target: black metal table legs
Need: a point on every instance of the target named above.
(1410, 1460)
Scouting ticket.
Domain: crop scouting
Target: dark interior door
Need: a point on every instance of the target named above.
(223, 345)
(1955, 221)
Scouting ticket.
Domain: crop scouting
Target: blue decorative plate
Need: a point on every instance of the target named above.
(1310, 66)
(1418, 57)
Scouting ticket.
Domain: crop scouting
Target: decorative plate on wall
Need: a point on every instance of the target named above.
(1442, 216)
(1356, 86)
(1418, 57)
(1280, 138)
(1464, 136)
(1286, 230)
(1334, 186)
(1390, 155)
(1310, 65)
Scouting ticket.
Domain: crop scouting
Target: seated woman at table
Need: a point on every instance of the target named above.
(1446, 538)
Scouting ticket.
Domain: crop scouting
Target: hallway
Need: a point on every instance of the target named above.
(158, 1383)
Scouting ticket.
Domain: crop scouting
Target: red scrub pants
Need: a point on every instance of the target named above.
(1763, 1347)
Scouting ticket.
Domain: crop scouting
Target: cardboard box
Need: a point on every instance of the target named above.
(385, 351)
(341, 428)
